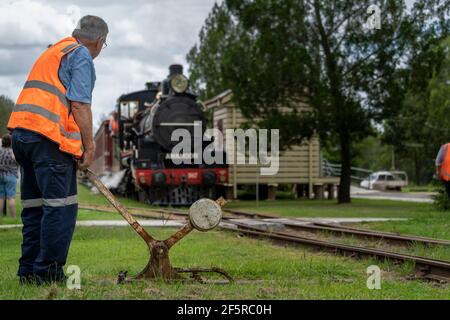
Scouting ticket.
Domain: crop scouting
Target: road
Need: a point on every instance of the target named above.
(420, 197)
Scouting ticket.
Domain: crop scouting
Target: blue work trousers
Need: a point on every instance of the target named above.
(447, 188)
(49, 199)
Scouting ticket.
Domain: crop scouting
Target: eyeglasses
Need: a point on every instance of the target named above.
(104, 45)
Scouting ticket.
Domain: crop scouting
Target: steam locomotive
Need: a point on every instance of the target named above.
(134, 146)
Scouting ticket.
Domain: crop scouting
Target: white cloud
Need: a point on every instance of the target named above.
(145, 38)
(130, 75)
(11, 85)
(31, 23)
(5, 54)
(129, 34)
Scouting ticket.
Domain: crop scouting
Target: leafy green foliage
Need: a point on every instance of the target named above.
(206, 58)
(441, 201)
(370, 153)
(6, 106)
(274, 53)
(422, 123)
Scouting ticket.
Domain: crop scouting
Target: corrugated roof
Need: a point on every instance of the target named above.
(212, 103)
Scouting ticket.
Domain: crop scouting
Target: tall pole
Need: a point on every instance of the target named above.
(393, 159)
(257, 186)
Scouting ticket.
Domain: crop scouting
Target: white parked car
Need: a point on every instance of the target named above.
(385, 180)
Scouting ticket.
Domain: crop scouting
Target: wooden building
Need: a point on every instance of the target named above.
(299, 166)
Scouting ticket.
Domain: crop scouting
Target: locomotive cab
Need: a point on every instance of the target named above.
(129, 106)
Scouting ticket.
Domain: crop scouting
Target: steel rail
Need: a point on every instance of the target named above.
(425, 267)
(365, 233)
(137, 212)
(313, 227)
(251, 214)
(361, 233)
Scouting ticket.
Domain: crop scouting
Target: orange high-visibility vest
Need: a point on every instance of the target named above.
(42, 105)
(445, 164)
(114, 124)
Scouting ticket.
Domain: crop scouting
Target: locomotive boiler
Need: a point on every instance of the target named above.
(135, 146)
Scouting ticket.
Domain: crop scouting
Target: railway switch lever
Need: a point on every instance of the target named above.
(204, 215)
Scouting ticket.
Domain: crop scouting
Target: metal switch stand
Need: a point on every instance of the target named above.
(204, 215)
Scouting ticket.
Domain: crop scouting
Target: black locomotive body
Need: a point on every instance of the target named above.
(135, 147)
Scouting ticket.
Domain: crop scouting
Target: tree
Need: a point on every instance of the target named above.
(206, 59)
(284, 52)
(6, 106)
(422, 124)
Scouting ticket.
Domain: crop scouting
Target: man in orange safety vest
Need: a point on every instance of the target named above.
(443, 166)
(51, 126)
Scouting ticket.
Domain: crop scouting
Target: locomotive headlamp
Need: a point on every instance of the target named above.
(179, 83)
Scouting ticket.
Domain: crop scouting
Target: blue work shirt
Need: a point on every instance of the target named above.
(77, 74)
(439, 157)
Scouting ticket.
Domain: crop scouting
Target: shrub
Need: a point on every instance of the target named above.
(440, 199)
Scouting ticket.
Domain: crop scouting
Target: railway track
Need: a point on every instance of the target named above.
(313, 227)
(157, 212)
(365, 233)
(425, 268)
(250, 214)
(139, 212)
(345, 230)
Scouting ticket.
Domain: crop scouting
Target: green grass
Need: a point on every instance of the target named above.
(294, 208)
(423, 219)
(434, 225)
(330, 208)
(264, 270)
(416, 188)
(85, 197)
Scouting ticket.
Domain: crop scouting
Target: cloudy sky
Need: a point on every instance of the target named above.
(146, 36)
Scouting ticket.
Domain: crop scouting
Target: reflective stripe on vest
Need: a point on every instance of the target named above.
(48, 115)
(42, 105)
(53, 117)
(69, 47)
(35, 84)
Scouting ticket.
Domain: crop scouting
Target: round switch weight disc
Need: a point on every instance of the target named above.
(205, 214)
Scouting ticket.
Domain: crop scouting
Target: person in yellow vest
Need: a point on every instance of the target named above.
(443, 166)
(51, 127)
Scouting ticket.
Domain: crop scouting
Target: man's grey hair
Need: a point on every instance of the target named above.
(91, 28)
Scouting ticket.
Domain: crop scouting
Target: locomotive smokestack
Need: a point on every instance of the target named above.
(175, 69)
